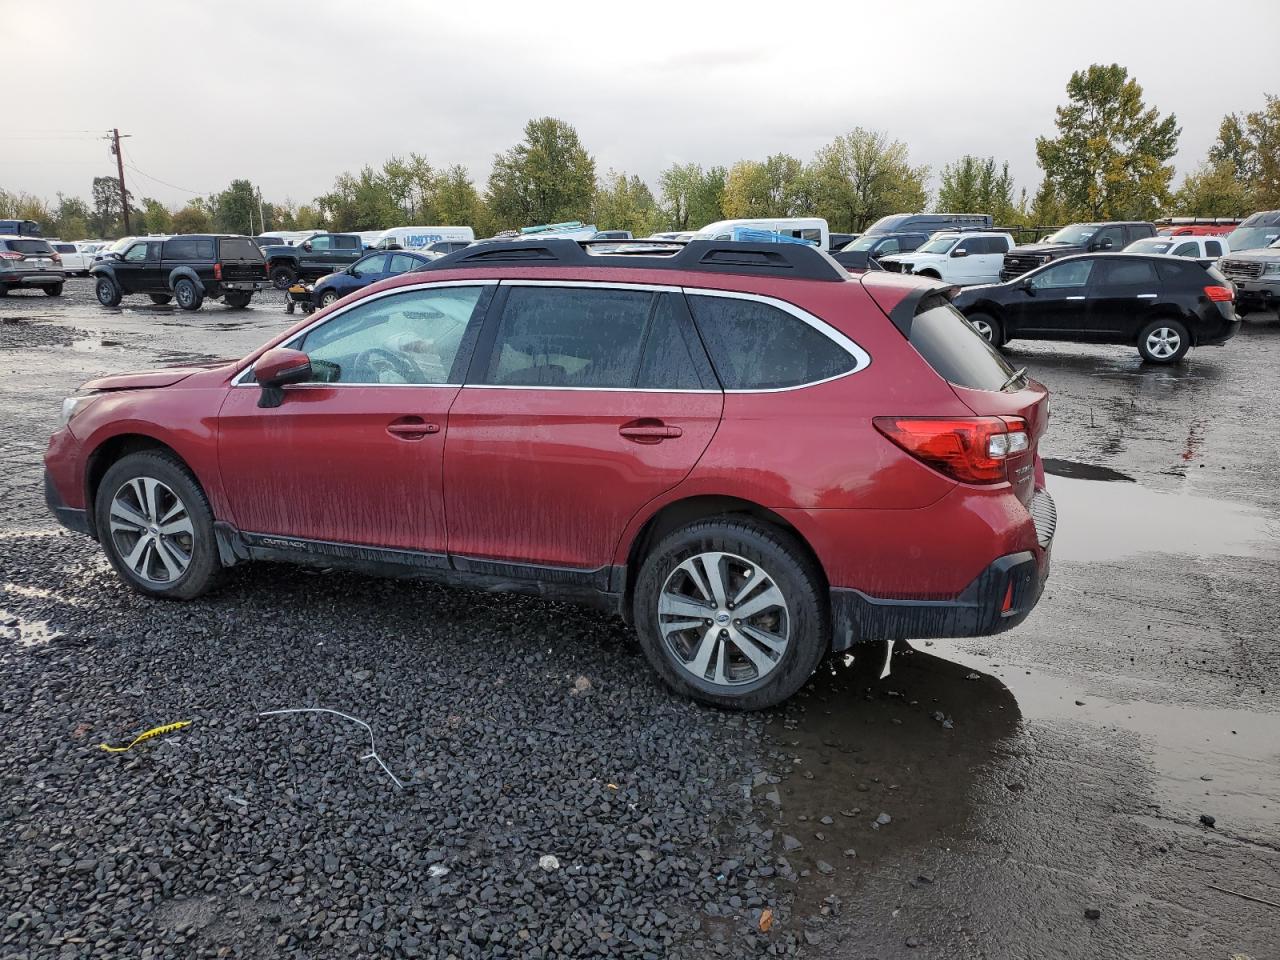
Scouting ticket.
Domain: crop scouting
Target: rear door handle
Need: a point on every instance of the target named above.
(649, 431)
(411, 428)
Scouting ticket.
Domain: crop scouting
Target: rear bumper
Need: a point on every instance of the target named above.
(70, 517)
(997, 599)
(32, 279)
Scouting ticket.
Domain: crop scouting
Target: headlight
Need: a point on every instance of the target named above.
(73, 405)
(1272, 268)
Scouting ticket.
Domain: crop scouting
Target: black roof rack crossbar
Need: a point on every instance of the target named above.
(792, 260)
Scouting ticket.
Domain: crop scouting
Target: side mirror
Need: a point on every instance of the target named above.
(962, 252)
(306, 245)
(1027, 287)
(277, 367)
(1101, 245)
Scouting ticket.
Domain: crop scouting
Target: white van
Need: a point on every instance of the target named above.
(804, 228)
(419, 238)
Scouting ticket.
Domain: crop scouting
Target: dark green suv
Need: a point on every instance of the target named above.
(185, 268)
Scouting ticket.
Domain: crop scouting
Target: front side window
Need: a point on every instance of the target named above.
(320, 243)
(1112, 235)
(569, 337)
(757, 346)
(1076, 235)
(407, 338)
(136, 254)
(1186, 250)
(888, 247)
(1073, 273)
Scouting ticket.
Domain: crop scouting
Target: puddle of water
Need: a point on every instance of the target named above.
(1238, 750)
(1104, 521)
(1083, 471)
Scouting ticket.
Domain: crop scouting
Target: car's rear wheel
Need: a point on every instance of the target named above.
(155, 524)
(237, 299)
(1164, 341)
(282, 277)
(108, 292)
(53, 290)
(187, 295)
(160, 298)
(328, 297)
(988, 328)
(731, 612)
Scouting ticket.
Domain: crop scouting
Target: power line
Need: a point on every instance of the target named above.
(132, 166)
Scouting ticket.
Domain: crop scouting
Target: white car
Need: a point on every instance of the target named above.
(813, 229)
(75, 259)
(963, 257)
(1206, 250)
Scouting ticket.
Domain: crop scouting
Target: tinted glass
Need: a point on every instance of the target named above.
(567, 337)
(1127, 273)
(65, 248)
(1073, 273)
(346, 243)
(179, 250)
(756, 346)
(239, 248)
(1182, 272)
(1186, 250)
(29, 246)
(408, 338)
(1000, 245)
(954, 349)
(666, 363)
(403, 263)
(370, 265)
(888, 247)
(1212, 248)
(1113, 234)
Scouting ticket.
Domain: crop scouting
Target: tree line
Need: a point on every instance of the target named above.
(1110, 158)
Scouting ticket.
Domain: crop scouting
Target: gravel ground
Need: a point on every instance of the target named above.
(977, 801)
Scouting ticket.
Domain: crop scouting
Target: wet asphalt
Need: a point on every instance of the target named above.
(1103, 781)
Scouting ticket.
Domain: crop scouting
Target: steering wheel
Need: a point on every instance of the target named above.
(378, 359)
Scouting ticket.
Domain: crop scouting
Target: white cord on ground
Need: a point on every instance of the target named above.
(373, 751)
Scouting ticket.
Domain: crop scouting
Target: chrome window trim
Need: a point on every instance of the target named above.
(244, 379)
(862, 359)
(503, 386)
(596, 284)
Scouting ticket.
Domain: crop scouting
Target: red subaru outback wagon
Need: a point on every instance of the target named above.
(752, 456)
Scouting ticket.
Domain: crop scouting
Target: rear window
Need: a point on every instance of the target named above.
(240, 248)
(956, 351)
(29, 246)
(65, 248)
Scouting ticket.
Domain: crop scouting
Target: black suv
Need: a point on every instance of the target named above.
(1162, 305)
(188, 267)
(1073, 239)
(318, 256)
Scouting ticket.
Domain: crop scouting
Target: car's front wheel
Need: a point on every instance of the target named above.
(155, 524)
(731, 611)
(108, 292)
(328, 297)
(1164, 341)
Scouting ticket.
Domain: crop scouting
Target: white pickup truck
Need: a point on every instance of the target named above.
(961, 257)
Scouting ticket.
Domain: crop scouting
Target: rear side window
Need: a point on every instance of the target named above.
(1176, 271)
(239, 248)
(346, 243)
(956, 351)
(190, 248)
(1127, 273)
(666, 363)
(1212, 248)
(757, 346)
(29, 246)
(569, 337)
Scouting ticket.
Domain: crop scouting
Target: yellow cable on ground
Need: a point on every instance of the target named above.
(153, 732)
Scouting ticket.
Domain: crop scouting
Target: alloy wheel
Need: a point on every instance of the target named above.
(983, 328)
(151, 530)
(1163, 342)
(723, 619)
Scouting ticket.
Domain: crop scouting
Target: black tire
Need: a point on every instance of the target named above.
(160, 299)
(108, 292)
(988, 328)
(282, 276)
(237, 299)
(188, 294)
(792, 571)
(1159, 336)
(328, 297)
(53, 291)
(204, 569)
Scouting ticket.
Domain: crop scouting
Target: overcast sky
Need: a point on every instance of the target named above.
(289, 94)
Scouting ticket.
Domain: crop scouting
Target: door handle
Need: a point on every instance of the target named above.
(649, 431)
(411, 428)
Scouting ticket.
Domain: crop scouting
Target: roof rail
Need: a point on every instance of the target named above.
(788, 260)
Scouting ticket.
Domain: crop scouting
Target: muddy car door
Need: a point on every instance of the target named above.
(354, 455)
(585, 402)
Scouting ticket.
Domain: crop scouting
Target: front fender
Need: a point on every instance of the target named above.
(102, 270)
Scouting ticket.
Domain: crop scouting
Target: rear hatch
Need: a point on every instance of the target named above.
(28, 256)
(982, 378)
(241, 259)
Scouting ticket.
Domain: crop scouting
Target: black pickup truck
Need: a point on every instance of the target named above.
(188, 267)
(1077, 238)
(315, 257)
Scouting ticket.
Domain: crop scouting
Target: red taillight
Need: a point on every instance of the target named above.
(1220, 294)
(217, 271)
(969, 449)
(10, 255)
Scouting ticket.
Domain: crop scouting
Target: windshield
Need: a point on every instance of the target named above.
(121, 244)
(1149, 246)
(939, 245)
(1252, 238)
(1076, 235)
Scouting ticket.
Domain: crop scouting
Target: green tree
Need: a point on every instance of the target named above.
(548, 177)
(456, 202)
(691, 196)
(862, 176)
(106, 220)
(193, 218)
(308, 218)
(157, 216)
(775, 188)
(1213, 191)
(974, 185)
(1110, 159)
(1251, 144)
(626, 203)
(362, 202)
(238, 209)
(71, 217)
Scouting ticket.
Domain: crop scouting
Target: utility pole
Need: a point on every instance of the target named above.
(124, 195)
